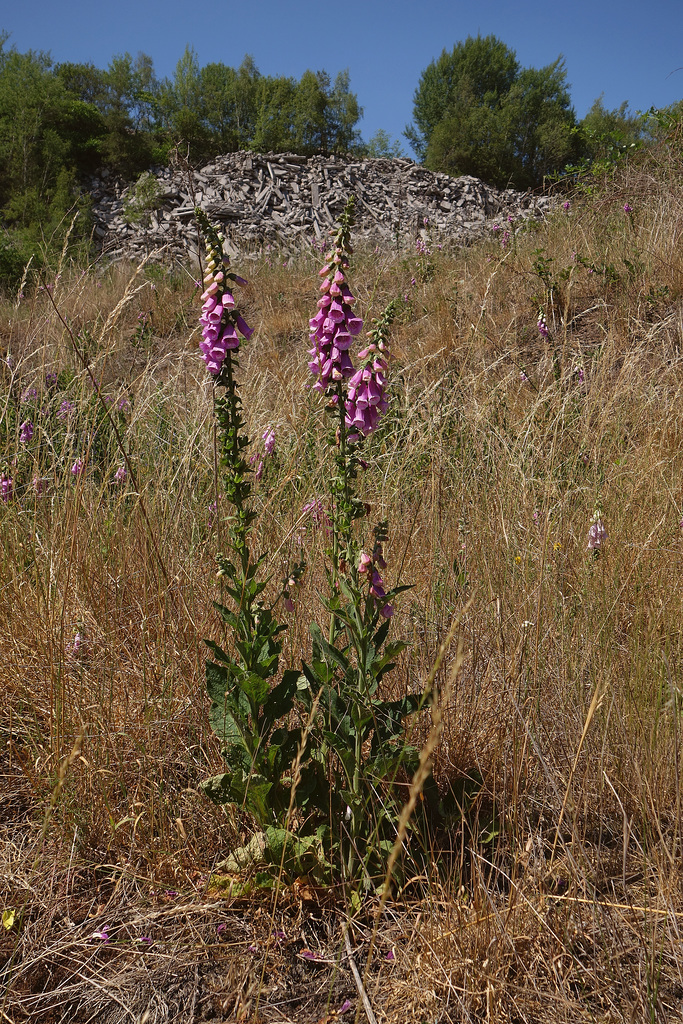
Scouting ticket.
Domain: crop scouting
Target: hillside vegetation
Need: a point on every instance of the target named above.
(535, 391)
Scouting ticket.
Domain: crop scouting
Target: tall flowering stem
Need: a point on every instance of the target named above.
(245, 708)
(333, 329)
(361, 735)
(221, 322)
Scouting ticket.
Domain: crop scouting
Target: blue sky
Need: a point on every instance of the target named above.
(626, 49)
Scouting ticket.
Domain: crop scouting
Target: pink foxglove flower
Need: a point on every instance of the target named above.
(542, 325)
(256, 460)
(364, 563)
(219, 319)
(120, 474)
(77, 467)
(5, 488)
(368, 566)
(367, 401)
(26, 432)
(334, 326)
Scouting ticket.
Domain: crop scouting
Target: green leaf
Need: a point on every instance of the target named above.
(225, 726)
(238, 757)
(245, 789)
(217, 681)
(256, 797)
(296, 852)
(255, 688)
(330, 654)
(226, 615)
(219, 788)
(219, 653)
(389, 717)
(280, 700)
(381, 634)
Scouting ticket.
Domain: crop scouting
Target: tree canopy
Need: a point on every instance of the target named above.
(60, 123)
(477, 112)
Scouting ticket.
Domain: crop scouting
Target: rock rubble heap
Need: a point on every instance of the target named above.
(288, 200)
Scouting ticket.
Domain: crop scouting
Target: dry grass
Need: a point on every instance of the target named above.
(556, 890)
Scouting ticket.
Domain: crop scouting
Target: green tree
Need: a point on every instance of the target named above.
(307, 117)
(326, 115)
(182, 108)
(84, 82)
(479, 71)
(476, 112)
(47, 137)
(274, 131)
(219, 87)
(608, 134)
(541, 124)
(246, 99)
(343, 114)
(129, 105)
(381, 145)
(311, 125)
(472, 139)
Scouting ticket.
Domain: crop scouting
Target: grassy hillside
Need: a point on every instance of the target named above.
(555, 888)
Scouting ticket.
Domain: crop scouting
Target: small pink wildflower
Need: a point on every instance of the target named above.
(6, 485)
(628, 208)
(26, 431)
(269, 441)
(367, 566)
(120, 474)
(65, 409)
(257, 460)
(597, 534)
(78, 467)
(365, 562)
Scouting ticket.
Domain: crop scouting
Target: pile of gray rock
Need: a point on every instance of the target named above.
(287, 200)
